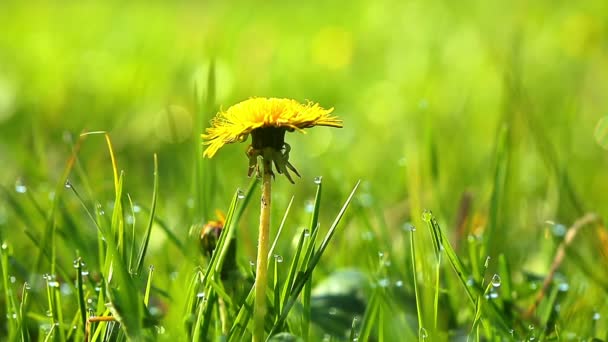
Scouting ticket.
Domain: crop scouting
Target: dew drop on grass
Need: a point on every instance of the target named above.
(309, 207)
(27, 286)
(20, 187)
(333, 311)
(399, 283)
(423, 334)
(384, 282)
(427, 216)
(563, 287)
(49, 313)
(53, 283)
(4, 245)
(13, 279)
(251, 263)
(306, 233)
(496, 280)
(596, 316)
(200, 295)
(65, 289)
(136, 208)
(240, 194)
(380, 255)
(531, 327)
(68, 185)
(408, 227)
(278, 258)
(559, 230)
(318, 180)
(487, 262)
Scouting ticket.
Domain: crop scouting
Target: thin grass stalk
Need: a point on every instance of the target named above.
(261, 276)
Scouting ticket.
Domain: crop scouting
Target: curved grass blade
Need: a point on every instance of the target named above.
(144, 245)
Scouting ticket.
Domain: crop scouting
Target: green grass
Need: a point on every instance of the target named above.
(464, 198)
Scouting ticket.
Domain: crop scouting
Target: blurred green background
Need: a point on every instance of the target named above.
(426, 90)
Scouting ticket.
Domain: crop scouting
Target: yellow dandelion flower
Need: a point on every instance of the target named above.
(267, 120)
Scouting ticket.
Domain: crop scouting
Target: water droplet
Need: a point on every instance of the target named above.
(559, 230)
(4, 245)
(240, 194)
(384, 282)
(496, 280)
(596, 316)
(20, 187)
(532, 338)
(65, 289)
(487, 262)
(136, 208)
(76, 263)
(27, 286)
(380, 255)
(309, 206)
(68, 185)
(492, 295)
(531, 327)
(470, 281)
(102, 212)
(306, 233)
(318, 180)
(49, 313)
(399, 283)
(511, 331)
(408, 227)
(563, 287)
(278, 258)
(129, 219)
(84, 273)
(160, 329)
(200, 295)
(97, 288)
(422, 333)
(251, 263)
(13, 279)
(427, 216)
(151, 268)
(333, 311)
(53, 283)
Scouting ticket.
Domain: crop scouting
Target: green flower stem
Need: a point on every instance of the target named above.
(261, 274)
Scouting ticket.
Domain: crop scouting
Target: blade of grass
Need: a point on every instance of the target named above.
(146, 240)
(303, 278)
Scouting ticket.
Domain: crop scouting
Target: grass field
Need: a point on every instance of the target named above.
(464, 198)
